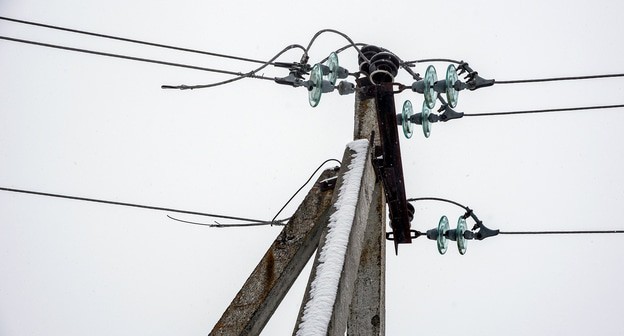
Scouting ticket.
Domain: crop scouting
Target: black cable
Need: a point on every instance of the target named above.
(537, 80)
(351, 43)
(306, 182)
(261, 223)
(341, 49)
(304, 59)
(149, 207)
(131, 40)
(219, 225)
(241, 76)
(559, 232)
(438, 200)
(470, 213)
(132, 58)
(426, 60)
(597, 107)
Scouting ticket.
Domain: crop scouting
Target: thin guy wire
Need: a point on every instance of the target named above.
(597, 107)
(306, 182)
(132, 58)
(559, 232)
(131, 40)
(133, 205)
(553, 79)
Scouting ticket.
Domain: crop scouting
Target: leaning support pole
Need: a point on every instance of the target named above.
(279, 268)
(327, 299)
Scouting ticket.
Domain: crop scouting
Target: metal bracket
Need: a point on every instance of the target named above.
(328, 184)
(295, 76)
(474, 81)
(413, 235)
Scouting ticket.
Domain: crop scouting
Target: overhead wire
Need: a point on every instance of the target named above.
(554, 79)
(551, 232)
(553, 110)
(124, 39)
(304, 184)
(345, 36)
(304, 59)
(133, 205)
(438, 199)
(250, 74)
(272, 221)
(560, 232)
(219, 225)
(250, 221)
(132, 58)
(427, 60)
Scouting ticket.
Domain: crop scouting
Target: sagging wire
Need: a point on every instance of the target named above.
(274, 220)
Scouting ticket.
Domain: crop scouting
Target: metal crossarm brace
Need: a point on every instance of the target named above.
(390, 166)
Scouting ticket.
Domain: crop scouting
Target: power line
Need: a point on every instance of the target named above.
(273, 221)
(219, 225)
(559, 232)
(427, 60)
(241, 76)
(567, 109)
(304, 184)
(345, 36)
(133, 205)
(132, 58)
(469, 212)
(118, 38)
(438, 199)
(304, 59)
(554, 79)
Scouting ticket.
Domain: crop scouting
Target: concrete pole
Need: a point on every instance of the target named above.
(279, 268)
(359, 307)
(367, 316)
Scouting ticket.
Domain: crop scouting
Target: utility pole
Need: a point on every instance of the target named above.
(356, 304)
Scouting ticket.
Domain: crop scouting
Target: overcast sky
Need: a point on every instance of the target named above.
(98, 127)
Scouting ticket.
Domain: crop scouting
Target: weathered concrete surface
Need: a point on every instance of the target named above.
(279, 268)
(338, 322)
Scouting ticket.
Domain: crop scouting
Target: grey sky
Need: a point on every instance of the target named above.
(98, 127)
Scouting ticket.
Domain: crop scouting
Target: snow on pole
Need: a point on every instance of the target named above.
(323, 290)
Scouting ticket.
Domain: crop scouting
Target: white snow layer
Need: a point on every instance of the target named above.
(318, 311)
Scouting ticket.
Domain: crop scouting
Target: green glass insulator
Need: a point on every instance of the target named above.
(443, 226)
(451, 79)
(408, 112)
(462, 243)
(332, 64)
(314, 93)
(431, 76)
(426, 124)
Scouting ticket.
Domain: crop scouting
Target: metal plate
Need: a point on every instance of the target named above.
(462, 243)
(451, 79)
(332, 64)
(314, 93)
(426, 124)
(431, 76)
(443, 226)
(408, 126)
